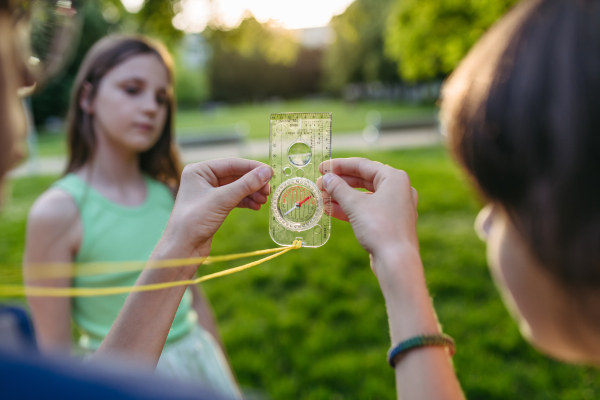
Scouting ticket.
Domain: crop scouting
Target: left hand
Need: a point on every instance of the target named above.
(208, 192)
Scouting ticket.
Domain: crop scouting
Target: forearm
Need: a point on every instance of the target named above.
(423, 373)
(140, 331)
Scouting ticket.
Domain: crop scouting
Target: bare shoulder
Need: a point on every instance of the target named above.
(54, 206)
(54, 218)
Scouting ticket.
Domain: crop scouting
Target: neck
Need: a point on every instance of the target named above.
(113, 164)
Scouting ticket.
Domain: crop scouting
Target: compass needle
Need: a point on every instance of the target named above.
(290, 210)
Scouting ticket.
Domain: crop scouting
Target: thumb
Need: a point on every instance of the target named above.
(339, 191)
(249, 183)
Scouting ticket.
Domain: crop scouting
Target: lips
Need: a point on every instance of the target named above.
(144, 127)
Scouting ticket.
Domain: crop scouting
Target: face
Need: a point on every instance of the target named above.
(131, 104)
(541, 307)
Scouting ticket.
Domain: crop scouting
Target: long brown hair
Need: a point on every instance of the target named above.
(161, 161)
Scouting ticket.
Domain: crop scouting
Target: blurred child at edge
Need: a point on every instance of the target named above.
(113, 205)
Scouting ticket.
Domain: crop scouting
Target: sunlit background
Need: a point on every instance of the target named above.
(193, 15)
(312, 325)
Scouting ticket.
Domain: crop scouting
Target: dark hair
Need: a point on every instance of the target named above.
(522, 114)
(161, 161)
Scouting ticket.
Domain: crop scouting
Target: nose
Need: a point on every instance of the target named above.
(150, 104)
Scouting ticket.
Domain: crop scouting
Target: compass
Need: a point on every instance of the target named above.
(298, 204)
(298, 144)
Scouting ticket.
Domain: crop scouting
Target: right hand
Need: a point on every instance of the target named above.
(383, 219)
(208, 192)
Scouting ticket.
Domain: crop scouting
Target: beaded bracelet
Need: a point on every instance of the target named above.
(441, 340)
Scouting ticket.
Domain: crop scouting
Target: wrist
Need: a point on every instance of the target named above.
(402, 281)
(167, 250)
(392, 262)
(176, 242)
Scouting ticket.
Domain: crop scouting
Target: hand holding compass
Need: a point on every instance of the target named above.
(381, 220)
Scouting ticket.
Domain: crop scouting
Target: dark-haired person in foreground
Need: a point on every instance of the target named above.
(522, 114)
(522, 117)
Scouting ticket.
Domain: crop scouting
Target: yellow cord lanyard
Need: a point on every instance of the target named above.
(58, 270)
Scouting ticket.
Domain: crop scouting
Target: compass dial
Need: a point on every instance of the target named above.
(298, 205)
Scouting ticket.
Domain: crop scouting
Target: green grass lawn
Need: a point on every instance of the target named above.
(254, 118)
(312, 323)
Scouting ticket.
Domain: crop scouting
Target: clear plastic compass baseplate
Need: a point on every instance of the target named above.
(299, 143)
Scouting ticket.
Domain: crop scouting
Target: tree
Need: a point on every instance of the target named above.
(155, 20)
(251, 39)
(357, 53)
(428, 38)
(257, 61)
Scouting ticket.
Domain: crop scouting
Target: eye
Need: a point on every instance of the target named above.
(162, 98)
(131, 90)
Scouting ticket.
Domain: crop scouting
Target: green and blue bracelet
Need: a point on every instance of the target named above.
(441, 340)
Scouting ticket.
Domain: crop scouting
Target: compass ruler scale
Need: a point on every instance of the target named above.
(299, 143)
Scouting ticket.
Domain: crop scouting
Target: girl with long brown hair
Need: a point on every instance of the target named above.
(113, 205)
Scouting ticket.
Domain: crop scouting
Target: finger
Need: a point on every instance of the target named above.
(357, 183)
(248, 203)
(340, 191)
(252, 182)
(225, 168)
(258, 197)
(415, 196)
(367, 170)
(336, 212)
(265, 190)
(228, 179)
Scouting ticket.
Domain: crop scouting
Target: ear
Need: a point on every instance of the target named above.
(484, 221)
(85, 98)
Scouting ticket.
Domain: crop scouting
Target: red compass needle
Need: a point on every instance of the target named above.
(302, 202)
(297, 205)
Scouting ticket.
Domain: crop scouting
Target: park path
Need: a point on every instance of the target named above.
(259, 149)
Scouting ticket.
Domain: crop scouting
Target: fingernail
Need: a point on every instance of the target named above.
(326, 179)
(265, 173)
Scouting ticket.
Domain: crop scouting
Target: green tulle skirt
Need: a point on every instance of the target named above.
(197, 358)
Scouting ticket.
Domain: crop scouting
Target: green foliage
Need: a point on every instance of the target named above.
(428, 38)
(16, 199)
(155, 20)
(357, 53)
(312, 323)
(251, 39)
(257, 61)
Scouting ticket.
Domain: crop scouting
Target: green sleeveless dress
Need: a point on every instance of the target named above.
(112, 232)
